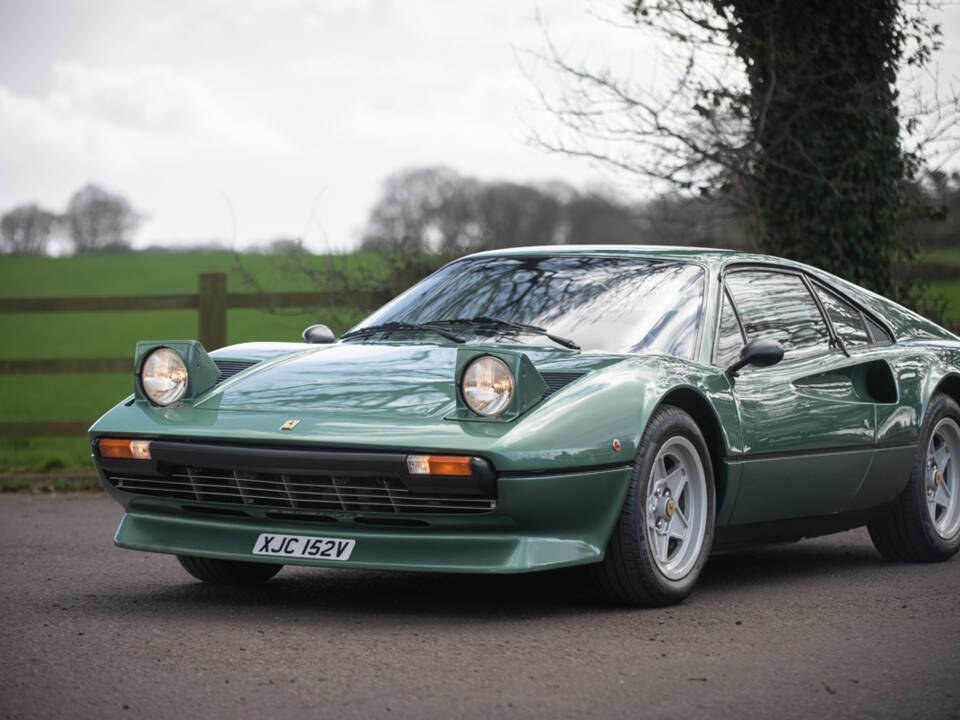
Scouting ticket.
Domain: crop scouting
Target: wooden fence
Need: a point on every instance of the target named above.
(211, 302)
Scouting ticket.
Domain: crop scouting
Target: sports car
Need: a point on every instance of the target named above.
(631, 409)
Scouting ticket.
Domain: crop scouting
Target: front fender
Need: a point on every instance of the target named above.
(578, 426)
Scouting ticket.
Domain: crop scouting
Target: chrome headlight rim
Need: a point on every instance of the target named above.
(178, 375)
(503, 400)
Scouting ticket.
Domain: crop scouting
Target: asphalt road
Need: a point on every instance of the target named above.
(822, 628)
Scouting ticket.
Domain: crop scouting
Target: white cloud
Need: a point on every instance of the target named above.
(126, 116)
(324, 69)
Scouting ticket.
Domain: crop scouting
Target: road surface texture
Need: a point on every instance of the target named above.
(817, 629)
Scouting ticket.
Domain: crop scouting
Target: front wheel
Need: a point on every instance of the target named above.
(665, 530)
(228, 572)
(924, 525)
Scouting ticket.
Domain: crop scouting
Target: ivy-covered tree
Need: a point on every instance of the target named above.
(828, 172)
(789, 108)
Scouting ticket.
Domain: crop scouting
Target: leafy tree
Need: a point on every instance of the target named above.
(98, 220)
(26, 229)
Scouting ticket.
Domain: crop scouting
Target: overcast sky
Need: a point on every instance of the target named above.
(245, 120)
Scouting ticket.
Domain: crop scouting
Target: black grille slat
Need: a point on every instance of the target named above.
(229, 368)
(416, 502)
(315, 487)
(558, 380)
(377, 494)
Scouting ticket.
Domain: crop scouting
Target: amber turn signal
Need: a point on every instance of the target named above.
(439, 465)
(122, 448)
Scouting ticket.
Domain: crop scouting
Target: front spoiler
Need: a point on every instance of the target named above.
(547, 522)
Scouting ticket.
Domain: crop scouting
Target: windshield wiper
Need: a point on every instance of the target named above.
(501, 323)
(388, 326)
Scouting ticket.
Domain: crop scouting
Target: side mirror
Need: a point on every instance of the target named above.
(320, 334)
(759, 352)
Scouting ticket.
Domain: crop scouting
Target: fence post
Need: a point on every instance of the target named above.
(212, 310)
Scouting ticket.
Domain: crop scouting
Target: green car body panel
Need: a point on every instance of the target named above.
(802, 447)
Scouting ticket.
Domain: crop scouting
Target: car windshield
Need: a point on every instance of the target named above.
(607, 304)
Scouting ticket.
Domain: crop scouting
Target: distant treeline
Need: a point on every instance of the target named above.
(94, 220)
(437, 210)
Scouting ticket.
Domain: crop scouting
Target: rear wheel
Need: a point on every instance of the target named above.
(924, 525)
(665, 531)
(228, 572)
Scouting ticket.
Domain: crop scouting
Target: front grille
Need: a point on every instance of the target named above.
(298, 492)
(558, 380)
(229, 368)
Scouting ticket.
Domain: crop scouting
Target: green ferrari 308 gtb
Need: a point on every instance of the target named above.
(627, 408)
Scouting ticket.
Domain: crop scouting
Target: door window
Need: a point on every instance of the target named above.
(778, 306)
(729, 336)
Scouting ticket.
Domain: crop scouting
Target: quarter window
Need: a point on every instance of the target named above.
(878, 334)
(846, 319)
(777, 306)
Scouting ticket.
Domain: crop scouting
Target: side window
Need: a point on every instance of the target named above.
(846, 319)
(777, 306)
(729, 337)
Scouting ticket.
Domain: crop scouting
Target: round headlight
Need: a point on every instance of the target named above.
(164, 376)
(487, 386)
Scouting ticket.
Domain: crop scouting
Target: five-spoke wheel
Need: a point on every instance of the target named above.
(943, 455)
(665, 530)
(676, 507)
(924, 525)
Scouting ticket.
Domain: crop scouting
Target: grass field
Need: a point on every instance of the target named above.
(950, 291)
(86, 396)
(106, 334)
(950, 255)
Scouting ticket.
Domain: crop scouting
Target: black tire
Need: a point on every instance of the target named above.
(228, 572)
(907, 532)
(629, 574)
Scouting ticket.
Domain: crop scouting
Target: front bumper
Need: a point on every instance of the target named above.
(540, 521)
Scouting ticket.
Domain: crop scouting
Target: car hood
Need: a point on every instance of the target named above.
(412, 380)
(398, 380)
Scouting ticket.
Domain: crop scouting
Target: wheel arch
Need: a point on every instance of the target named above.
(702, 412)
(949, 385)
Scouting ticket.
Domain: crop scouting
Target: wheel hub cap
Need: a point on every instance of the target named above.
(676, 508)
(943, 479)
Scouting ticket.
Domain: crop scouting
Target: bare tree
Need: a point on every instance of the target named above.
(416, 210)
(98, 220)
(436, 209)
(510, 215)
(26, 229)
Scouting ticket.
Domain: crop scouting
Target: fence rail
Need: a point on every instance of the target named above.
(211, 301)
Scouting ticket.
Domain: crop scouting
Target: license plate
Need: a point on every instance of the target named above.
(303, 546)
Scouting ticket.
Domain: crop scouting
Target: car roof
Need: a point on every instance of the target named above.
(712, 257)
